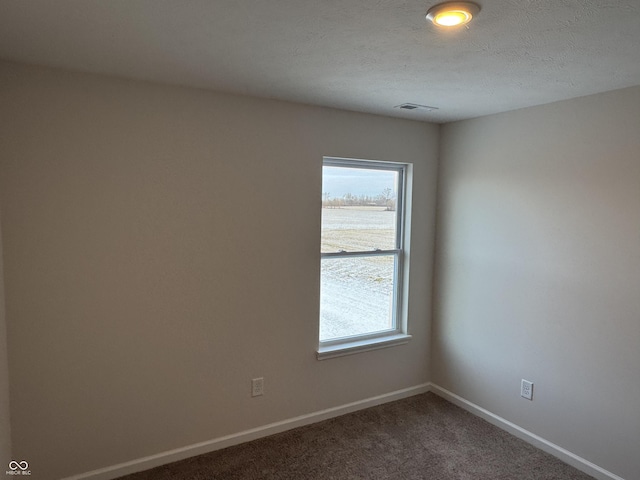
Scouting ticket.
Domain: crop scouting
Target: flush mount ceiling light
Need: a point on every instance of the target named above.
(452, 14)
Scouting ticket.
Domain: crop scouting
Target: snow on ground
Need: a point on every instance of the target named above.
(356, 293)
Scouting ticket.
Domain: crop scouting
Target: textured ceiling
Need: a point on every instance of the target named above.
(362, 55)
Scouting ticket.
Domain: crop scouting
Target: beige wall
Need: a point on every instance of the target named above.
(162, 248)
(538, 268)
(5, 424)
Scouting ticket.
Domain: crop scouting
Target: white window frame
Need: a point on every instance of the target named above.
(398, 335)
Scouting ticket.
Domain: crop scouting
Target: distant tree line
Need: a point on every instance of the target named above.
(384, 199)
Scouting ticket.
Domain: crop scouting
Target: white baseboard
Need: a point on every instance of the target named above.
(531, 438)
(145, 463)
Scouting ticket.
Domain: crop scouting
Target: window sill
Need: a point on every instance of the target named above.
(357, 346)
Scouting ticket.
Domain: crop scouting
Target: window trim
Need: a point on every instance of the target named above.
(398, 335)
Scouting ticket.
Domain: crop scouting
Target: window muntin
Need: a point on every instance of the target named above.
(361, 250)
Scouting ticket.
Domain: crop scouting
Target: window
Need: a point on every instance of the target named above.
(362, 256)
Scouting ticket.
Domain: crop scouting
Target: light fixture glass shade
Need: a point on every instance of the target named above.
(452, 14)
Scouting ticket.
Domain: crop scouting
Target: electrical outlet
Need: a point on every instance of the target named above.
(257, 387)
(526, 389)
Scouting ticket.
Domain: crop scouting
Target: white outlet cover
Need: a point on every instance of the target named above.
(257, 387)
(526, 389)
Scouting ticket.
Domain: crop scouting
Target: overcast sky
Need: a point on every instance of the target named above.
(337, 181)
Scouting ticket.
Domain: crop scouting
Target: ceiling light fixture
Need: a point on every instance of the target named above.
(452, 14)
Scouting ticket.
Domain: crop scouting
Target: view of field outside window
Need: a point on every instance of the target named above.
(359, 218)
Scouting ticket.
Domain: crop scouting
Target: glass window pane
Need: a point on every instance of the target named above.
(359, 209)
(356, 296)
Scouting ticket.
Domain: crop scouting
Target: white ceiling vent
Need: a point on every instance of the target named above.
(415, 106)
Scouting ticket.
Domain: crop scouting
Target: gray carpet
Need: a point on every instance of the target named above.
(419, 438)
